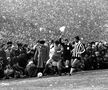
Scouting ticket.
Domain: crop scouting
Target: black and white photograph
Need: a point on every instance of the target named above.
(53, 44)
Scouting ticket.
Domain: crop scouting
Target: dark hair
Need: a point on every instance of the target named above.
(9, 43)
(73, 42)
(92, 43)
(42, 42)
(66, 40)
(19, 44)
(57, 42)
(52, 41)
(77, 37)
(25, 45)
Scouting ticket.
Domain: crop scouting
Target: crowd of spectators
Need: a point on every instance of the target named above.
(55, 57)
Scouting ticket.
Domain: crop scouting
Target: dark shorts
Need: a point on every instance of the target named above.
(56, 58)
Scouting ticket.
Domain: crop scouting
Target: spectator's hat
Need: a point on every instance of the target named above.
(42, 42)
(9, 43)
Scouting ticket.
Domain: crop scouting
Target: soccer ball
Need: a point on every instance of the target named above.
(39, 75)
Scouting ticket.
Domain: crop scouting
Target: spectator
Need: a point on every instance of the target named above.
(41, 56)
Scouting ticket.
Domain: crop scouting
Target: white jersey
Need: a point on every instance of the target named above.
(51, 52)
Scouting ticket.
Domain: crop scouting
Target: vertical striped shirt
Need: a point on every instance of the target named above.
(78, 48)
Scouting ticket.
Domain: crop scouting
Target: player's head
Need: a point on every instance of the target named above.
(56, 43)
(77, 38)
(9, 44)
(66, 41)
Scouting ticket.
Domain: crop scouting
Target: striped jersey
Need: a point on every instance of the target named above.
(78, 48)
